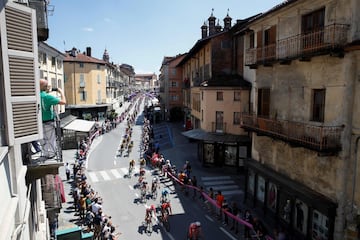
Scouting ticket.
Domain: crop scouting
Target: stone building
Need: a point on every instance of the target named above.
(303, 171)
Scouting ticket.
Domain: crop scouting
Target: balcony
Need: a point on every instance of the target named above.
(329, 40)
(38, 165)
(324, 139)
(42, 8)
(218, 127)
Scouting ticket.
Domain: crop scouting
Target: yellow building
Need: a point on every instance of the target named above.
(85, 84)
(304, 170)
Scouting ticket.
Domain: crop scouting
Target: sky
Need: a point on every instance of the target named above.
(140, 32)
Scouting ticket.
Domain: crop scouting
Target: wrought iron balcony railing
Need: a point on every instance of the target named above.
(318, 138)
(330, 38)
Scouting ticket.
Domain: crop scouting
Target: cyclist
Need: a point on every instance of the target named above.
(150, 213)
(164, 195)
(154, 184)
(195, 232)
(142, 162)
(166, 209)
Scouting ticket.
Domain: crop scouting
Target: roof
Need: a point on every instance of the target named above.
(199, 134)
(80, 57)
(275, 8)
(66, 120)
(80, 125)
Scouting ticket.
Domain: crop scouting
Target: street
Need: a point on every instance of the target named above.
(106, 172)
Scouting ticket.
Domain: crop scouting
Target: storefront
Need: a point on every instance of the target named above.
(216, 149)
(304, 212)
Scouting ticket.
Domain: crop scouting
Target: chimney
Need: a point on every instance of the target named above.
(227, 22)
(88, 51)
(204, 29)
(212, 20)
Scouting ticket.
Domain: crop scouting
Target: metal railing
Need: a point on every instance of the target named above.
(319, 138)
(326, 39)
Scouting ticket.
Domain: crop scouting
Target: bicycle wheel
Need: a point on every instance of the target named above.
(166, 223)
(149, 226)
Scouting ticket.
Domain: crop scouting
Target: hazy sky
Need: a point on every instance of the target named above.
(140, 32)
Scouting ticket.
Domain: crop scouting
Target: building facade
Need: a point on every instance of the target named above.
(85, 83)
(304, 121)
(214, 96)
(171, 83)
(23, 210)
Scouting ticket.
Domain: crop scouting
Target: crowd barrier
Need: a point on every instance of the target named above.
(213, 202)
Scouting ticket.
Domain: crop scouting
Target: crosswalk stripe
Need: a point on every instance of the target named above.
(93, 177)
(115, 173)
(215, 178)
(124, 170)
(105, 175)
(226, 193)
(219, 182)
(227, 187)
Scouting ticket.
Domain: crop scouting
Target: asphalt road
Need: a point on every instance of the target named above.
(106, 173)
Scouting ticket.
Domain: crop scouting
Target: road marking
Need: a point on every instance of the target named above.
(219, 182)
(115, 173)
(131, 187)
(124, 170)
(227, 187)
(209, 218)
(227, 233)
(215, 177)
(170, 236)
(232, 192)
(105, 175)
(93, 177)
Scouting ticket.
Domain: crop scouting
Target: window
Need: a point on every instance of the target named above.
(98, 66)
(236, 96)
(174, 84)
(272, 193)
(264, 102)
(225, 44)
(82, 95)
(53, 83)
(312, 26)
(44, 57)
(301, 216)
(59, 63)
(318, 105)
(219, 96)
(98, 79)
(251, 182)
(219, 125)
(82, 80)
(174, 98)
(260, 191)
(81, 65)
(173, 71)
(320, 226)
(53, 61)
(59, 85)
(236, 120)
(252, 40)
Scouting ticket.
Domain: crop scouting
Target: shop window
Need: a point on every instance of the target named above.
(260, 191)
(320, 226)
(300, 216)
(230, 155)
(251, 182)
(272, 194)
(209, 153)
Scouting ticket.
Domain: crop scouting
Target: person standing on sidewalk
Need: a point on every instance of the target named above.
(67, 171)
(219, 202)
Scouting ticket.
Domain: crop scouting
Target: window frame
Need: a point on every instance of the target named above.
(219, 96)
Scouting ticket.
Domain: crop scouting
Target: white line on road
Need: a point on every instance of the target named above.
(209, 218)
(213, 183)
(215, 178)
(170, 236)
(105, 175)
(131, 187)
(93, 177)
(227, 233)
(115, 173)
(136, 195)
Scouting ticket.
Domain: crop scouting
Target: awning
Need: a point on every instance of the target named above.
(199, 134)
(66, 120)
(80, 125)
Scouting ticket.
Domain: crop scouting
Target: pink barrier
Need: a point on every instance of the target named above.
(213, 202)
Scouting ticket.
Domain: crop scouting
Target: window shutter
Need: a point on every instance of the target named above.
(21, 74)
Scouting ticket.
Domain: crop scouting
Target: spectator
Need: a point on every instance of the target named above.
(219, 202)
(48, 116)
(249, 219)
(67, 171)
(236, 212)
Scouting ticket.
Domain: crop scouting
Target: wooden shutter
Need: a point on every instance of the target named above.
(21, 74)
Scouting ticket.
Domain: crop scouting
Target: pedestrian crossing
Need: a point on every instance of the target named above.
(110, 174)
(226, 184)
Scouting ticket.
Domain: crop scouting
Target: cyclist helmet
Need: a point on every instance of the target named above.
(152, 207)
(154, 179)
(198, 224)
